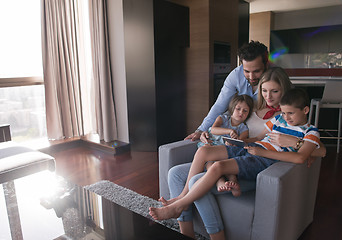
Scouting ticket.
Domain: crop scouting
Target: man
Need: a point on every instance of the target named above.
(243, 79)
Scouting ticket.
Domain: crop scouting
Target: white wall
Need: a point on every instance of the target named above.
(308, 18)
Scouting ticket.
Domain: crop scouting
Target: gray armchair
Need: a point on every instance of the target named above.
(280, 207)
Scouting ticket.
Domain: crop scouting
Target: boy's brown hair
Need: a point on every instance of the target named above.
(295, 97)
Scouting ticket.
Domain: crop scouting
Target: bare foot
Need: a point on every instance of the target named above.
(167, 212)
(234, 187)
(167, 202)
(223, 188)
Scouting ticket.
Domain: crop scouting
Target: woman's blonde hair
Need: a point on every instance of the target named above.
(277, 75)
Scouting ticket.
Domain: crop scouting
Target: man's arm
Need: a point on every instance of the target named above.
(220, 105)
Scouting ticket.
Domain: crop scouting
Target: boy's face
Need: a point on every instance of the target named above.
(294, 116)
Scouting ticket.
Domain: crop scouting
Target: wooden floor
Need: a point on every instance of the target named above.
(139, 171)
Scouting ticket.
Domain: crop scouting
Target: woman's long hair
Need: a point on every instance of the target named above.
(275, 74)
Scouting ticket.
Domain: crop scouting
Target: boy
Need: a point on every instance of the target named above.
(248, 162)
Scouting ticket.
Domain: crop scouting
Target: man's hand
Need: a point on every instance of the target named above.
(193, 136)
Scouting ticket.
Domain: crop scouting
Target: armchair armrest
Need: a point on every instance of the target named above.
(170, 155)
(285, 199)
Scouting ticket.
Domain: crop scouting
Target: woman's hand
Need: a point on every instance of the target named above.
(282, 140)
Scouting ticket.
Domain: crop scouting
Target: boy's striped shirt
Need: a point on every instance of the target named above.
(279, 125)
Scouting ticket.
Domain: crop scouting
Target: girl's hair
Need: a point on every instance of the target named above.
(277, 75)
(241, 98)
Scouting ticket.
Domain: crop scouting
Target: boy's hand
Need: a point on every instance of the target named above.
(282, 140)
(255, 150)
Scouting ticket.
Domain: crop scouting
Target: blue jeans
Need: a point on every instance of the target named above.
(207, 205)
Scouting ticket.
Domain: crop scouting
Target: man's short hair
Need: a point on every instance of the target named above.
(252, 50)
(295, 97)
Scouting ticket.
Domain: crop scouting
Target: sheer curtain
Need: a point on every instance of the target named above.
(104, 97)
(78, 101)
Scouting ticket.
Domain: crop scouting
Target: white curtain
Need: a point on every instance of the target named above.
(104, 97)
(78, 101)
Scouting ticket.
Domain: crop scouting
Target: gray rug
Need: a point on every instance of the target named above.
(132, 201)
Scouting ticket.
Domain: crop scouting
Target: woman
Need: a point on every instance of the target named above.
(272, 85)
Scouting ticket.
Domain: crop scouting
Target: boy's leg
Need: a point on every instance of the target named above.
(233, 185)
(221, 184)
(202, 156)
(201, 187)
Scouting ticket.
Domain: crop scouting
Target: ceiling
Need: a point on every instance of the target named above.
(288, 5)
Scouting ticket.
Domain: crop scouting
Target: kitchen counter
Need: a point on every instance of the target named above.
(313, 80)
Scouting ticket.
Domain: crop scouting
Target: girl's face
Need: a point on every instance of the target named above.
(272, 93)
(241, 111)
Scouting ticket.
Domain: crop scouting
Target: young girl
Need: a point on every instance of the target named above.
(231, 124)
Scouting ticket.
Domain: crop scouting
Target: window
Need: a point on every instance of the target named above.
(22, 101)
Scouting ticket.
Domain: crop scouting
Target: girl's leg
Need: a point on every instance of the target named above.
(201, 187)
(203, 155)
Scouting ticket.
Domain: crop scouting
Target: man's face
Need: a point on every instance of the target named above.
(253, 70)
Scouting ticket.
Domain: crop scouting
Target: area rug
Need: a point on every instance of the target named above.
(132, 201)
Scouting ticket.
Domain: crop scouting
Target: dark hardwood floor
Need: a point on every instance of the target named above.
(139, 171)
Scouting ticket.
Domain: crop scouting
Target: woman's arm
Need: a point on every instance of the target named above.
(319, 152)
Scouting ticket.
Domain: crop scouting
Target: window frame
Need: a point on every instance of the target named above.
(21, 81)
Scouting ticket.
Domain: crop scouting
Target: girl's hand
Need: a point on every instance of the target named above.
(258, 151)
(282, 140)
(205, 138)
(228, 143)
(233, 134)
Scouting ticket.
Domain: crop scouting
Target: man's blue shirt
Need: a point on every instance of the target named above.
(235, 82)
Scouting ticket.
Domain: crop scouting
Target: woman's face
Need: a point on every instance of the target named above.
(272, 93)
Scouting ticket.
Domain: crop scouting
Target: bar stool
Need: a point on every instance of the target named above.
(332, 98)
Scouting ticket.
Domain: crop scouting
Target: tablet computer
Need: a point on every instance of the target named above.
(235, 142)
